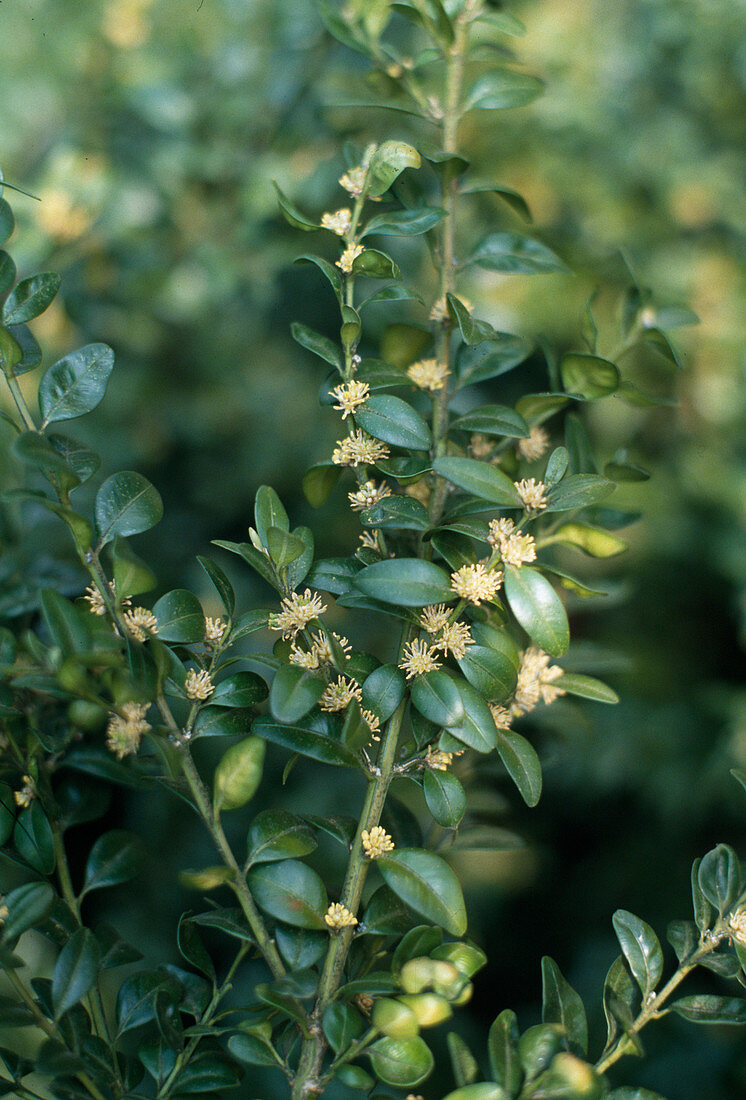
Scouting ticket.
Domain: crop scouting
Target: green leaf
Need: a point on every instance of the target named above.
(463, 1062)
(132, 576)
(7, 221)
(492, 420)
(242, 689)
(30, 298)
(394, 421)
(538, 609)
(7, 811)
(719, 877)
(292, 214)
(522, 764)
(618, 471)
(587, 687)
(297, 570)
(306, 742)
(480, 479)
(223, 586)
(269, 512)
(502, 1046)
(252, 1046)
(383, 690)
(335, 575)
(408, 582)
(11, 352)
(342, 1024)
(627, 1093)
(514, 200)
(514, 254)
(579, 491)
(562, 1005)
(293, 693)
(22, 338)
(116, 857)
(473, 331)
(376, 265)
(401, 1062)
(703, 1008)
(502, 88)
(253, 557)
(491, 672)
(300, 947)
(76, 383)
(28, 905)
(180, 617)
(405, 223)
(67, 626)
(445, 797)
(387, 163)
(592, 540)
(426, 884)
(587, 376)
(283, 547)
(126, 504)
(317, 344)
(32, 837)
(700, 904)
(331, 272)
(75, 971)
(291, 892)
(491, 358)
(206, 1072)
(275, 835)
(641, 949)
(477, 729)
(396, 513)
(34, 449)
(437, 698)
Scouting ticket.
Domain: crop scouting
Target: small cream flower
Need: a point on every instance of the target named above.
(199, 685)
(534, 445)
(515, 549)
(368, 495)
(339, 695)
(348, 257)
(27, 793)
(376, 842)
(359, 449)
(214, 631)
(369, 540)
(4, 913)
(303, 658)
(536, 681)
(455, 638)
(533, 494)
(354, 180)
(365, 1003)
(439, 313)
(296, 613)
(501, 716)
(324, 650)
(737, 926)
(125, 730)
(339, 222)
(350, 397)
(95, 600)
(428, 374)
(434, 618)
(481, 446)
(438, 760)
(373, 722)
(474, 583)
(338, 916)
(140, 623)
(418, 657)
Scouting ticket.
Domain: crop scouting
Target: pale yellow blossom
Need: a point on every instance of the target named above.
(27, 793)
(434, 617)
(359, 449)
(376, 842)
(418, 657)
(348, 257)
(339, 916)
(367, 495)
(438, 760)
(124, 731)
(369, 540)
(481, 446)
(296, 613)
(95, 600)
(339, 695)
(474, 583)
(455, 638)
(737, 926)
(353, 181)
(339, 222)
(141, 623)
(536, 681)
(501, 716)
(428, 374)
(373, 722)
(214, 631)
(515, 549)
(534, 445)
(350, 396)
(198, 685)
(533, 494)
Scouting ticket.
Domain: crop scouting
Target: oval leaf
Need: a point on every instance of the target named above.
(408, 582)
(76, 383)
(538, 609)
(180, 617)
(75, 971)
(291, 892)
(426, 884)
(394, 421)
(436, 696)
(126, 504)
(480, 479)
(117, 856)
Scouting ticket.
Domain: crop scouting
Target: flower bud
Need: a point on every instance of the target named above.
(416, 975)
(238, 774)
(464, 995)
(429, 1008)
(568, 1078)
(395, 1019)
(85, 715)
(465, 957)
(208, 879)
(538, 1046)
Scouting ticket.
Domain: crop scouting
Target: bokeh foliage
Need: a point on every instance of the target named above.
(152, 130)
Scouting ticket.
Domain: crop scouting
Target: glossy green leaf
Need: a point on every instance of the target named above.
(317, 344)
(375, 265)
(514, 254)
(408, 582)
(342, 1024)
(394, 421)
(67, 626)
(401, 1062)
(252, 1045)
(396, 513)
(592, 540)
(427, 884)
(628, 1093)
(335, 575)
(276, 834)
(700, 904)
(502, 1046)
(562, 1005)
(538, 609)
(291, 892)
(436, 696)
(297, 570)
(11, 352)
(473, 331)
(28, 905)
(180, 617)
(22, 337)
(331, 273)
(522, 764)
(223, 586)
(477, 728)
(75, 384)
(293, 693)
(719, 877)
(75, 971)
(218, 722)
(306, 742)
(32, 837)
(387, 163)
(481, 1090)
(34, 449)
(703, 1008)
(405, 223)
(445, 797)
(318, 482)
(269, 511)
(300, 947)
(241, 689)
(579, 491)
(588, 376)
(206, 1072)
(132, 576)
(30, 298)
(492, 358)
(383, 690)
(492, 420)
(480, 479)
(502, 88)
(116, 857)
(641, 949)
(292, 214)
(253, 557)
(283, 547)
(7, 221)
(491, 672)
(463, 1063)
(587, 687)
(514, 200)
(126, 504)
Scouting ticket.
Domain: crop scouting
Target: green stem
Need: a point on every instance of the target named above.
(20, 402)
(240, 888)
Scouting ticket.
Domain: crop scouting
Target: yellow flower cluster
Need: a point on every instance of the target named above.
(339, 222)
(438, 760)
(418, 657)
(453, 637)
(475, 583)
(27, 793)
(359, 449)
(95, 600)
(515, 549)
(501, 716)
(339, 695)
(125, 730)
(534, 445)
(373, 722)
(348, 257)
(533, 494)
(368, 495)
(320, 652)
(339, 916)
(536, 681)
(296, 613)
(350, 397)
(376, 842)
(737, 926)
(354, 180)
(141, 623)
(214, 631)
(369, 540)
(198, 685)
(428, 374)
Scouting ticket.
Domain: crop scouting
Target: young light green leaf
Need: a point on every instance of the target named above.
(587, 687)
(502, 88)
(387, 163)
(502, 1046)
(401, 1062)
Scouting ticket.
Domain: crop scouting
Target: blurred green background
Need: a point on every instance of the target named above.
(152, 129)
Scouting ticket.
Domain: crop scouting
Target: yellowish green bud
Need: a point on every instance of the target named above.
(208, 879)
(465, 957)
(464, 995)
(569, 1078)
(416, 975)
(395, 1019)
(239, 774)
(429, 1008)
(85, 715)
